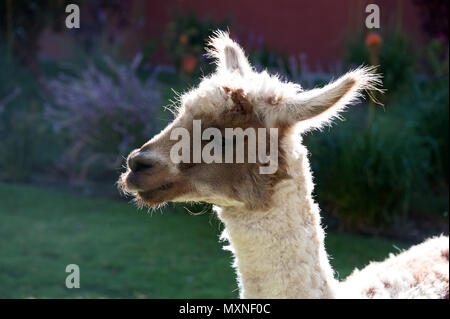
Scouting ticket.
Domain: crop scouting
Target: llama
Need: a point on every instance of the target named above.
(272, 223)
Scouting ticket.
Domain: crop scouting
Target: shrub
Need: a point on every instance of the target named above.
(379, 169)
(432, 122)
(429, 94)
(104, 112)
(374, 177)
(368, 174)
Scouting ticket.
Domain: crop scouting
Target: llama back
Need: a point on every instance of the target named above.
(420, 272)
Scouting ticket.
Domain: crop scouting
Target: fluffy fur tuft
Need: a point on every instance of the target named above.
(228, 55)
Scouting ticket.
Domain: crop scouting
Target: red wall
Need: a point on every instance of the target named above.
(317, 28)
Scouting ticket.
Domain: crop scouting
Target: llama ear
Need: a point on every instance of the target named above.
(228, 54)
(320, 106)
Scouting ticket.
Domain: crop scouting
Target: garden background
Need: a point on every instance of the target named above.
(74, 102)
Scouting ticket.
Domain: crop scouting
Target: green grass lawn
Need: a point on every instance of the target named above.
(125, 252)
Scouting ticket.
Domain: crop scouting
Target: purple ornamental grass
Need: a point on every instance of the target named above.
(104, 114)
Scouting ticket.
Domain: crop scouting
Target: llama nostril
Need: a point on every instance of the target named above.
(140, 166)
(137, 163)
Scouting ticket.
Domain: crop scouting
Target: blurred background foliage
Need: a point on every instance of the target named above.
(396, 58)
(23, 132)
(383, 169)
(185, 38)
(104, 113)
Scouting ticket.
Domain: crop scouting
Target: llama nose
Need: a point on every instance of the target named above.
(137, 162)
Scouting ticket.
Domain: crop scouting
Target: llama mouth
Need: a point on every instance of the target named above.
(163, 187)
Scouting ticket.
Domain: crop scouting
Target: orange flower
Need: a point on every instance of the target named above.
(189, 63)
(183, 39)
(373, 39)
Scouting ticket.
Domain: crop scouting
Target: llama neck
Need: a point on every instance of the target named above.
(279, 253)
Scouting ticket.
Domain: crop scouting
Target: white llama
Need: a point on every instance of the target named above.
(271, 221)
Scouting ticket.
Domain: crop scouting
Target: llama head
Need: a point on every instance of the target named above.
(236, 99)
